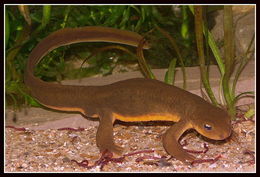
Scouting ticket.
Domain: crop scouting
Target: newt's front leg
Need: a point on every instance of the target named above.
(104, 137)
(171, 143)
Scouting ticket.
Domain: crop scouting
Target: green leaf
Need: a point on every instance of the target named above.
(116, 13)
(242, 95)
(7, 28)
(250, 113)
(125, 18)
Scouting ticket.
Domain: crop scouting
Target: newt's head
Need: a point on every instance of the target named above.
(214, 123)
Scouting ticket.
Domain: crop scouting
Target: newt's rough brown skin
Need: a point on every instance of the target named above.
(130, 100)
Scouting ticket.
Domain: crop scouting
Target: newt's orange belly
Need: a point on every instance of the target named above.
(72, 109)
(148, 117)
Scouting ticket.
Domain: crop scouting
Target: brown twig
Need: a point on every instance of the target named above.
(71, 129)
(206, 160)
(15, 128)
(106, 157)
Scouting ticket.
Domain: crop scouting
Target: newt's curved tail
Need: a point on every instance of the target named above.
(65, 37)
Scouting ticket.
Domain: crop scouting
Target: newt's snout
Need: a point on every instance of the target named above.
(224, 135)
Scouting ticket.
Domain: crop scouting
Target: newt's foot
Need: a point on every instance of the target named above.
(186, 158)
(172, 147)
(112, 148)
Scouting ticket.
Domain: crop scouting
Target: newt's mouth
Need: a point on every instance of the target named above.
(224, 135)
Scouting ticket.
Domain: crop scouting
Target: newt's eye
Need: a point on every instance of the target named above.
(207, 127)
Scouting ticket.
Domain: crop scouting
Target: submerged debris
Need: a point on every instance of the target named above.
(74, 150)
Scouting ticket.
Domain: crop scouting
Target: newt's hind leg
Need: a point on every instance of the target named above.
(104, 138)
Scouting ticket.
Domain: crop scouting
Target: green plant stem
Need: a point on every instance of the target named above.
(46, 15)
(170, 74)
(176, 48)
(199, 40)
(242, 95)
(213, 46)
(146, 70)
(185, 23)
(229, 57)
(143, 65)
(66, 15)
(244, 60)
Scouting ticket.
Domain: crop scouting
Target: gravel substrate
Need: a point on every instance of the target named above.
(74, 150)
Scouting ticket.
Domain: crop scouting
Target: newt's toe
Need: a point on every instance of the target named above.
(112, 148)
(186, 158)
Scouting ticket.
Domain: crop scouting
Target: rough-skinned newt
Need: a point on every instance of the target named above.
(137, 99)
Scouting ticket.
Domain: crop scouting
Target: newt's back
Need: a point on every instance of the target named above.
(146, 97)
